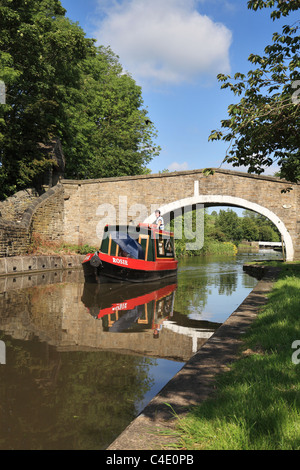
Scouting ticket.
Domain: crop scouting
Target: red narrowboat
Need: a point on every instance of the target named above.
(133, 253)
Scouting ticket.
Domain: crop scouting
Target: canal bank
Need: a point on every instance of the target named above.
(38, 263)
(195, 382)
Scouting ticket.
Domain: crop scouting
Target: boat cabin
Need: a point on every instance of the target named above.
(144, 242)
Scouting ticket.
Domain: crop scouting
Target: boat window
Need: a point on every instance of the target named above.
(144, 242)
(165, 247)
(104, 245)
(125, 246)
(112, 248)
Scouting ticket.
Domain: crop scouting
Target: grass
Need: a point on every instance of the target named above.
(211, 247)
(39, 246)
(257, 401)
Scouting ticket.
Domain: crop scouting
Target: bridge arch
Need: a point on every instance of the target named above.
(221, 200)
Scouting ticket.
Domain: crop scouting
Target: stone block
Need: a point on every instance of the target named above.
(3, 268)
(56, 262)
(14, 283)
(14, 265)
(3, 282)
(55, 277)
(43, 262)
(29, 263)
(70, 261)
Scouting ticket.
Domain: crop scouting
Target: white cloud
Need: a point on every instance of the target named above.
(178, 166)
(268, 170)
(164, 41)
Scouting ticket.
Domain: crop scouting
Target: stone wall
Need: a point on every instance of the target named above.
(14, 239)
(31, 263)
(14, 207)
(45, 216)
(48, 215)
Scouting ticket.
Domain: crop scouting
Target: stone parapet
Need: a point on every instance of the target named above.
(28, 264)
(44, 216)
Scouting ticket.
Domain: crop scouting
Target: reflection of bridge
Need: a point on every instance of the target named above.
(195, 334)
(48, 306)
(270, 244)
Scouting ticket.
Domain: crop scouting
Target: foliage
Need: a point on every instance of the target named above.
(59, 84)
(263, 128)
(251, 227)
(227, 223)
(265, 229)
(108, 133)
(223, 231)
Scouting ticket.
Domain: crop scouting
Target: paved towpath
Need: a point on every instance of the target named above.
(196, 380)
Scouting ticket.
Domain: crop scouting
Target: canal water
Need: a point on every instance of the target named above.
(82, 360)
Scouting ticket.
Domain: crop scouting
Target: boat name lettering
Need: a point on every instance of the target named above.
(122, 306)
(120, 261)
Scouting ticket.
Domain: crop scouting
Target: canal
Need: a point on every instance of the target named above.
(82, 360)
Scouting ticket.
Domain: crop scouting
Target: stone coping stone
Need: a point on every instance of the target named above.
(39, 278)
(26, 264)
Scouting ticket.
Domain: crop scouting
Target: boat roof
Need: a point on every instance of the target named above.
(152, 227)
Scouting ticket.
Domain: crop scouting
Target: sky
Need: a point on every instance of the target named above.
(174, 50)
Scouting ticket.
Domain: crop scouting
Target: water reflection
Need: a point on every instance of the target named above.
(130, 307)
(83, 360)
(68, 400)
(210, 287)
(147, 309)
(70, 314)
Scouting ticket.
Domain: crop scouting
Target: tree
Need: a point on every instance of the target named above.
(267, 234)
(264, 127)
(228, 223)
(249, 229)
(108, 133)
(39, 53)
(266, 230)
(59, 84)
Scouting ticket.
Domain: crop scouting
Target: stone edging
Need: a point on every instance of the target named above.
(256, 270)
(195, 381)
(176, 174)
(30, 264)
(29, 212)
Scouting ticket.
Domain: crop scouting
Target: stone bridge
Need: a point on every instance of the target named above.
(89, 204)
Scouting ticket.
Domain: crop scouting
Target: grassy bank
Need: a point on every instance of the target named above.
(257, 401)
(212, 247)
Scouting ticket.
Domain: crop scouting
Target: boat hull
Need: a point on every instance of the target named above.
(125, 269)
(123, 273)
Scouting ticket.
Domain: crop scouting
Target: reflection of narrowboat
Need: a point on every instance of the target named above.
(133, 253)
(129, 307)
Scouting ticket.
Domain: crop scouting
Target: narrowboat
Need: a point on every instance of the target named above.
(133, 253)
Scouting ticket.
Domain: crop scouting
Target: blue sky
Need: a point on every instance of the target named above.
(174, 49)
